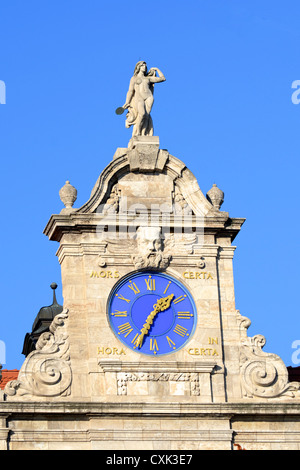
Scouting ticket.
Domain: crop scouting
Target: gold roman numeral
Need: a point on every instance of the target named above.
(180, 330)
(120, 296)
(179, 299)
(185, 315)
(168, 285)
(118, 313)
(171, 343)
(153, 345)
(125, 329)
(150, 283)
(133, 287)
(135, 340)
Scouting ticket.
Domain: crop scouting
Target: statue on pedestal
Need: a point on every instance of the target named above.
(139, 99)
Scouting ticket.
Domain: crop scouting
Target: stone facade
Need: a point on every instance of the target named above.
(82, 388)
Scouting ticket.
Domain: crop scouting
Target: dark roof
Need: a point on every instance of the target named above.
(41, 323)
(294, 374)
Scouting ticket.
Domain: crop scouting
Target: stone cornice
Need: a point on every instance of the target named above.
(59, 224)
(163, 408)
(122, 366)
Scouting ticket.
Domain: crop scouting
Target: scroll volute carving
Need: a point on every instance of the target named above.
(263, 375)
(46, 371)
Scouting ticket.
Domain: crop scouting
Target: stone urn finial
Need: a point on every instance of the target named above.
(215, 196)
(68, 195)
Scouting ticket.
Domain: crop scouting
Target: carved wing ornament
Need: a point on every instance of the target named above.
(150, 248)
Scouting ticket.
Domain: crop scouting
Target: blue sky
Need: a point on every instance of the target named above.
(225, 110)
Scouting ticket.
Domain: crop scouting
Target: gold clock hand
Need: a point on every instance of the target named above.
(161, 305)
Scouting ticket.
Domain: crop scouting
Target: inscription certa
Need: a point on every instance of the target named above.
(198, 351)
(197, 275)
(203, 352)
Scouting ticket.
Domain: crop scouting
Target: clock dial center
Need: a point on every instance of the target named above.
(143, 306)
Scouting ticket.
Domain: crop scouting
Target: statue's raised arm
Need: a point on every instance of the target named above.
(139, 99)
(153, 77)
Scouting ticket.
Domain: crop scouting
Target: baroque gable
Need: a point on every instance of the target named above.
(164, 183)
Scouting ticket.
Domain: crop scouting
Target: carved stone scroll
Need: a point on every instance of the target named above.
(263, 375)
(46, 371)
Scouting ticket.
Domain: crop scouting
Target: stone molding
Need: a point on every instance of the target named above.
(184, 408)
(124, 435)
(124, 252)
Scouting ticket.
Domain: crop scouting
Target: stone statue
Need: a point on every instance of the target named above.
(139, 99)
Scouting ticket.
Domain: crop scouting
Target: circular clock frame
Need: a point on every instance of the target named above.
(152, 313)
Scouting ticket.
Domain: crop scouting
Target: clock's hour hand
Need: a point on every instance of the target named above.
(161, 305)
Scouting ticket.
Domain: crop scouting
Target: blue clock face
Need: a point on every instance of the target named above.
(152, 313)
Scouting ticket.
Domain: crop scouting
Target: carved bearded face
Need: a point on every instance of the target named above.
(149, 239)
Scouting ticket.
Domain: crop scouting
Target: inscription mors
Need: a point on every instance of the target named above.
(105, 274)
(197, 275)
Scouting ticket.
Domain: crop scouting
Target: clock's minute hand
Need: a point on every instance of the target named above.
(161, 305)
